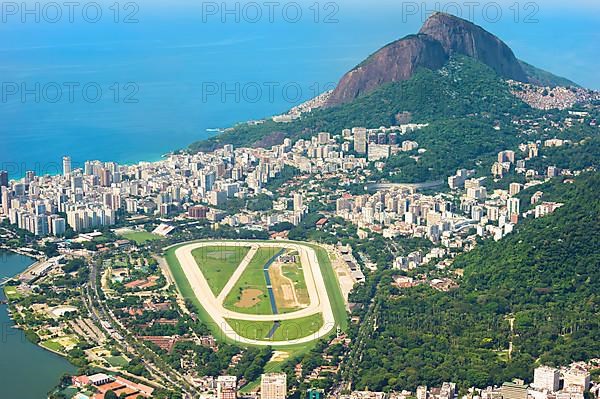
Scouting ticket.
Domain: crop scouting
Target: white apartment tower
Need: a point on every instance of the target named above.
(576, 378)
(513, 206)
(298, 203)
(66, 166)
(546, 378)
(273, 386)
(422, 392)
(360, 140)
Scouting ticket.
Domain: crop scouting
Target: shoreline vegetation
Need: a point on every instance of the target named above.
(9, 296)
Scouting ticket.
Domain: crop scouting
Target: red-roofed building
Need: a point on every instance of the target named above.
(81, 381)
(321, 223)
(119, 385)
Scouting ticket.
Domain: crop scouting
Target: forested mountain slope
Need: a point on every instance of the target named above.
(544, 277)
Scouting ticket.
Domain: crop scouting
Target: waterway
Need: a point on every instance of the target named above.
(26, 370)
(271, 294)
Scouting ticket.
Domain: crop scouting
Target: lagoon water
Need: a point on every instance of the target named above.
(158, 73)
(26, 370)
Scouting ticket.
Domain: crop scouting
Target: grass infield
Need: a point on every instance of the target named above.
(287, 330)
(249, 294)
(218, 263)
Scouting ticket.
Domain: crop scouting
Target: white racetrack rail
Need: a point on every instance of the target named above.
(319, 300)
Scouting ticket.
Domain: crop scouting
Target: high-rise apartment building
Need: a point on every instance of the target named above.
(273, 386)
(227, 387)
(324, 137)
(513, 206)
(547, 378)
(3, 178)
(514, 188)
(5, 199)
(66, 166)
(506, 156)
(360, 140)
(575, 377)
(298, 203)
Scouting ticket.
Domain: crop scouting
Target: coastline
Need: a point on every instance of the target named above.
(298, 110)
(22, 167)
(19, 251)
(21, 353)
(9, 311)
(7, 302)
(36, 261)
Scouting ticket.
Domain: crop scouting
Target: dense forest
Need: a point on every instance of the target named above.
(450, 145)
(542, 280)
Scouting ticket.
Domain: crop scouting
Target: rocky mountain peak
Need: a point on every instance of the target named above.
(441, 36)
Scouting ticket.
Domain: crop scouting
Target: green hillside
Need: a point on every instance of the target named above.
(544, 78)
(543, 277)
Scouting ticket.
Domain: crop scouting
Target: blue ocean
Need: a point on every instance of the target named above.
(131, 81)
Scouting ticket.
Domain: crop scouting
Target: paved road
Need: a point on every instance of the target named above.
(416, 186)
(103, 316)
(319, 300)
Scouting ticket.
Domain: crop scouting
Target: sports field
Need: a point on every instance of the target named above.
(11, 293)
(117, 361)
(140, 237)
(218, 263)
(311, 304)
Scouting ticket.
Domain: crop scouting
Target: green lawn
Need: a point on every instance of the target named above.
(11, 293)
(140, 237)
(288, 329)
(252, 279)
(52, 345)
(117, 361)
(219, 263)
(60, 344)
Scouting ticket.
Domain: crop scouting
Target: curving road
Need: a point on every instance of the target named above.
(319, 300)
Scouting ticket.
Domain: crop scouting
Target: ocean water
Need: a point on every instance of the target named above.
(156, 75)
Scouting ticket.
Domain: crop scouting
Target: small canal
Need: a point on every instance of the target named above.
(270, 290)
